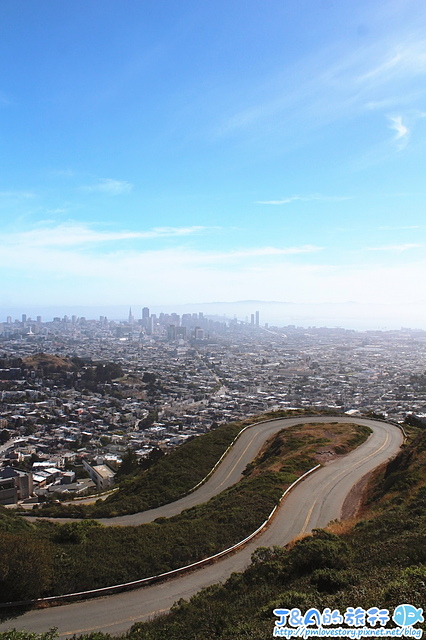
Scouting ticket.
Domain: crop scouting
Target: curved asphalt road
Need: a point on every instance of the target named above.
(313, 503)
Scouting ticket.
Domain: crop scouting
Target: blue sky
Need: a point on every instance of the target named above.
(160, 152)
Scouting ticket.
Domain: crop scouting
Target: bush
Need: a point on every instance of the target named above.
(26, 567)
(321, 550)
(329, 580)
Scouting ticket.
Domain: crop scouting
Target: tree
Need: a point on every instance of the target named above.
(129, 464)
(154, 456)
(26, 567)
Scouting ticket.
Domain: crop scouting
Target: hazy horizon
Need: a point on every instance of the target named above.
(348, 315)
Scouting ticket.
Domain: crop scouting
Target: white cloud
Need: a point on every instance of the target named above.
(62, 173)
(398, 248)
(17, 194)
(74, 264)
(242, 255)
(305, 199)
(110, 187)
(402, 131)
(341, 82)
(384, 69)
(406, 59)
(272, 251)
(176, 275)
(63, 241)
(400, 228)
(74, 234)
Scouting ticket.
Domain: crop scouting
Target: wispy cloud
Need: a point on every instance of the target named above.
(260, 252)
(400, 228)
(17, 194)
(67, 238)
(109, 186)
(405, 58)
(384, 68)
(402, 131)
(62, 173)
(309, 198)
(340, 83)
(75, 235)
(176, 274)
(398, 248)
(115, 272)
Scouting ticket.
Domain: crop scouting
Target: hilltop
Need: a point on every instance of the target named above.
(48, 363)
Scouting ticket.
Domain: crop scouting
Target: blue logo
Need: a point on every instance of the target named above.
(359, 623)
(405, 615)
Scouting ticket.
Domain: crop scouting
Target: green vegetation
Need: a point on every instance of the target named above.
(86, 555)
(11, 521)
(380, 560)
(4, 436)
(171, 478)
(92, 377)
(26, 635)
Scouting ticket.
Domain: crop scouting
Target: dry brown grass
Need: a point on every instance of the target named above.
(48, 361)
(341, 527)
(300, 440)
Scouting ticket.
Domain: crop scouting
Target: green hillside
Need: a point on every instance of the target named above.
(376, 560)
(171, 477)
(47, 558)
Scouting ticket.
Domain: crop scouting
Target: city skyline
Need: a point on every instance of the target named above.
(275, 314)
(186, 154)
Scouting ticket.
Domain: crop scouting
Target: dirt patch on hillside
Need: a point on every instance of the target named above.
(354, 499)
(320, 442)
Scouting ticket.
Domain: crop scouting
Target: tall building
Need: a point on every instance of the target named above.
(131, 318)
(199, 333)
(146, 320)
(257, 318)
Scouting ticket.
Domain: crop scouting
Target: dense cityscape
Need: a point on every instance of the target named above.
(77, 394)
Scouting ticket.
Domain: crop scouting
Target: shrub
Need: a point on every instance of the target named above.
(321, 550)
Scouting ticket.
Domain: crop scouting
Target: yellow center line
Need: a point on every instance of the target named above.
(342, 473)
(135, 619)
(223, 481)
(307, 518)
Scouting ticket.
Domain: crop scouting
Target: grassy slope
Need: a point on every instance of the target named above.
(377, 560)
(171, 478)
(83, 555)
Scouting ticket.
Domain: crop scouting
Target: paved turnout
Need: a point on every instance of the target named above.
(313, 503)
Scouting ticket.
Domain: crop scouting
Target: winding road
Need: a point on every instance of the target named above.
(312, 503)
